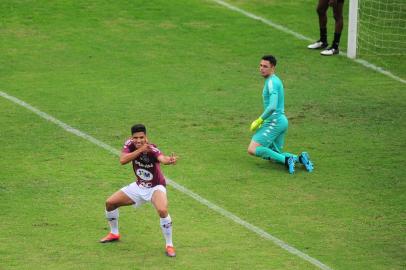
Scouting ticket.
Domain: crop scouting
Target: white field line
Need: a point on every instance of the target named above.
(302, 37)
(175, 185)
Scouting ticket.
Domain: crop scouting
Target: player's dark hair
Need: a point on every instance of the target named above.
(270, 58)
(138, 128)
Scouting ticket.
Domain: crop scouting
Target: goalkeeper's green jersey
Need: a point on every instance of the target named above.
(273, 97)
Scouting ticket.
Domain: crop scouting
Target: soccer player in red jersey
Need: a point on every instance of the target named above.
(150, 185)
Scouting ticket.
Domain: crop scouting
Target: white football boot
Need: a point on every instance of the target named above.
(318, 45)
(330, 51)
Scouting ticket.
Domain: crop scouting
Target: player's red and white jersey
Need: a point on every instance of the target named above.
(146, 166)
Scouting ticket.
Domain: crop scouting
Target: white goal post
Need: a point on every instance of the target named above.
(352, 29)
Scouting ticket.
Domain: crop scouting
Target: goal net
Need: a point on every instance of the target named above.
(381, 27)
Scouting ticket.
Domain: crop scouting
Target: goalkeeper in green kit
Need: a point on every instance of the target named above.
(270, 128)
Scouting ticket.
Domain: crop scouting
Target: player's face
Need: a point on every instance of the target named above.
(139, 139)
(266, 68)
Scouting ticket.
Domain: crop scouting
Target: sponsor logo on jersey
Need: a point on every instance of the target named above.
(139, 164)
(145, 158)
(144, 174)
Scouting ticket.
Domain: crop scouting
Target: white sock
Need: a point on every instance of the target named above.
(112, 218)
(166, 226)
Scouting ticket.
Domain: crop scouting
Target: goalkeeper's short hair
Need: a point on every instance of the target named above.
(270, 58)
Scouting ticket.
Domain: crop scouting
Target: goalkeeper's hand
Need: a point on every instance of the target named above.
(256, 124)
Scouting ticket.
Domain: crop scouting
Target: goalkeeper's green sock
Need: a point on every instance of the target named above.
(269, 154)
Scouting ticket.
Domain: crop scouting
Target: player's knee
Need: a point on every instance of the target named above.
(252, 148)
(162, 212)
(251, 151)
(110, 205)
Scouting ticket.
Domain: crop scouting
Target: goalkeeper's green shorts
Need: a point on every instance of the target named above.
(272, 133)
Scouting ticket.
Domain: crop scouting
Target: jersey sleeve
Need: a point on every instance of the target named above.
(128, 147)
(273, 101)
(155, 151)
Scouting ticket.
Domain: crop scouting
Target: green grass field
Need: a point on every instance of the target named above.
(188, 69)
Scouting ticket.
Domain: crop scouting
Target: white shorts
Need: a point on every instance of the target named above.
(141, 195)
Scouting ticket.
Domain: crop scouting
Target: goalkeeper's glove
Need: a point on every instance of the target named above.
(256, 124)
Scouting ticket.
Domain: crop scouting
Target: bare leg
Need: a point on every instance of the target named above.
(116, 200)
(160, 202)
(252, 147)
(338, 17)
(322, 12)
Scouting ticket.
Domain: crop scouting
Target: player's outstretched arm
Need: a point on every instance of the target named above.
(168, 160)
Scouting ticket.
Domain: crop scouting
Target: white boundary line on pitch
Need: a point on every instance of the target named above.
(177, 186)
(302, 37)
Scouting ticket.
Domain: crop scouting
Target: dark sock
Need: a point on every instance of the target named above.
(336, 40)
(286, 162)
(323, 35)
